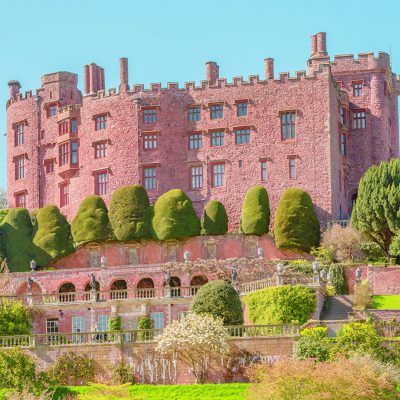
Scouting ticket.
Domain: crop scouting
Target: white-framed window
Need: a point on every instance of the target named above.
(51, 325)
(158, 320)
(216, 111)
(196, 177)
(19, 134)
(218, 174)
(263, 165)
(101, 183)
(150, 178)
(359, 120)
(20, 168)
(292, 168)
(194, 114)
(150, 141)
(195, 141)
(217, 138)
(102, 323)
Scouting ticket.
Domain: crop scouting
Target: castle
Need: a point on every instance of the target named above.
(318, 130)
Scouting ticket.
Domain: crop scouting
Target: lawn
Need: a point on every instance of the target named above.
(391, 302)
(228, 391)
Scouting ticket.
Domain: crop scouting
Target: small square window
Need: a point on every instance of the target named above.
(100, 150)
(242, 109)
(195, 141)
(49, 166)
(150, 141)
(20, 200)
(101, 122)
(217, 138)
(194, 114)
(150, 116)
(242, 136)
(359, 120)
(216, 111)
(357, 89)
(52, 111)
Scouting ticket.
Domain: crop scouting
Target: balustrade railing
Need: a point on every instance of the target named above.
(248, 287)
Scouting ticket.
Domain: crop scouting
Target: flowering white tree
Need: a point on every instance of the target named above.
(199, 341)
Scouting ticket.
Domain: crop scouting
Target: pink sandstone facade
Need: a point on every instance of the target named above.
(319, 130)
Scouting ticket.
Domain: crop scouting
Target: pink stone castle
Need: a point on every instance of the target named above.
(319, 130)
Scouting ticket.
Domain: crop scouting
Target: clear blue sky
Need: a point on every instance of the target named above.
(169, 41)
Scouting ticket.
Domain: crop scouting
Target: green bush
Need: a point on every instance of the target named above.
(14, 318)
(114, 324)
(144, 323)
(3, 214)
(280, 305)
(174, 216)
(51, 235)
(17, 232)
(215, 219)
(296, 224)
(255, 212)
(338, 278)
(129, 213)
(91, 222)
(220, 300)
(313, 343)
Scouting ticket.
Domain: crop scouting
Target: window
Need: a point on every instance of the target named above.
(74, 126)
(49, 166)
(133, 255)
(217, 111)
(64, 194)
(63, 152)
(74, 152)
(19, 134)
(100, 149)
(242, 136)
(217, 138)
(196, 177)
(102, 323)
(78, 324)
(52, 325)
(195, 141)
(20, 200)
(242, 109)
(150, 141)
(359, 120)
(150, 179)
(357, 89)
(63, 128)
(218, 175)
(101, 183)
(101, 122)
(158, 320)
(150, 116)
(20, 167)
(292, 168)
(343, 116)
(288, 126)
(194, 114)
(52, 111)
(263, 170)
(343, 144)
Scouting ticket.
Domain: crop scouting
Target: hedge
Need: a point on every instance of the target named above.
(255, 212)
(220, 300)
(296, 224)
(215, 219)
(129, 213)
(280, 305)
(174, 216)
(91, 222)
(51, 235)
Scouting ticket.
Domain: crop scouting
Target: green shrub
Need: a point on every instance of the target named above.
(14, 318)
(3, 214)
(17, 232)
(51, 235)
(174, 216)
(280, 305)
(220, 300)
(313, 343)
(338, 278)
(362, 295)
(91, 222)
(255, 212)
(144, 323)
(129, 213)
(114, 324)
(296, 224)
(215, 219)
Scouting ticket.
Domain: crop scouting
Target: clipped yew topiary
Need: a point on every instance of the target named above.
(296, 224)
(91, 222)
(129, 213)
(16, 230)
(174, 216)
(220, 300)
(255, 212)
(51, 235)
(215, 219)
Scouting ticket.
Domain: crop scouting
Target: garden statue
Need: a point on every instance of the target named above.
(315, 267)
(93, 282)
(33, 265)
(260, 252)
(4, 266)
(358, 274)
(30, 281)
(280, 268)
(167, 279)
(103, 261)
(323, 274)
(233, 273)
(329, 277)
(186, 256)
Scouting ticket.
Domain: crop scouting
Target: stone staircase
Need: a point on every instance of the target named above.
(338, 308)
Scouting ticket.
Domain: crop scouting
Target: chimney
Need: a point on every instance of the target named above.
(14, 87)
(123, 73)
(321, 44)
(86, 79)
(313, 45)
(212, 72)
(93, 79)
(101, 78)
(269, 68)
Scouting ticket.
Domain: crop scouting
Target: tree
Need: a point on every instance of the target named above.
(16, 230)
(376, 210)
(129, 213)
(3, 199)
(362, 295)
(296, 224)
(280, 305)
(14, 318)
(199, 341)
(174, 216)
(255, 212)
(91, 222)
(215, 219)
(51, 235)
(220, 300)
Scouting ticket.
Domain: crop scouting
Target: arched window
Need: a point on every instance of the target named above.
(66, 293)
(175, 285)
(88, 288)
(196, 282)
(119, 290)
(145, 288)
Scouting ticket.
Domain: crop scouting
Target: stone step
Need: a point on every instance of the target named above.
(338, 307)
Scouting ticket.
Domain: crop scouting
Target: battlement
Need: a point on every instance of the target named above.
(70, 111)
(364, 61)
(61, 76)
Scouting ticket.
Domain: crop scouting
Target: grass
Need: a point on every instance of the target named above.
(389, 302)
(227, 391)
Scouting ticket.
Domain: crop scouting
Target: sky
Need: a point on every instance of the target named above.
(170, 40)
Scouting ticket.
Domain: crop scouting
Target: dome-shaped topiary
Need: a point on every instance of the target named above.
(215, 219)
(91, 222)
(255, 212)
(51, 235)
(296, 224)
(174, 216)
(220, 300)
(129, 213)
(16, 230)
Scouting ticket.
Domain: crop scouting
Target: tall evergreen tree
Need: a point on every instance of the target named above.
(215, 219)
(255, 212)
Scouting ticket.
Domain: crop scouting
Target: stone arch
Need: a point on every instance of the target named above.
(37, 292)
(119, 289)
(66, 293)
(88, 288)
(198, 280)
(66, 287)
(145, 288)
(175, 285)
